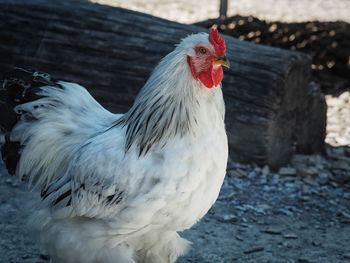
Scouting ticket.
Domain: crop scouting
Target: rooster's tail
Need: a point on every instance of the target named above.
(45, 122)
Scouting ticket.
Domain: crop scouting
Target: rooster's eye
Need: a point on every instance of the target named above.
(202, 50)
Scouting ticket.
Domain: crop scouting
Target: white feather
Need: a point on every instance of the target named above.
(125, 206)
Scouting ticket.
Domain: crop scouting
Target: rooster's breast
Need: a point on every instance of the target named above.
(195, 172)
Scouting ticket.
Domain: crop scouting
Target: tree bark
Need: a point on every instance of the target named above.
(112, 51)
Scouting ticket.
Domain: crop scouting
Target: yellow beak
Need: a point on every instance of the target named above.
(222, 61)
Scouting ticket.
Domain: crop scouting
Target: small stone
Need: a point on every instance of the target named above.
(233, 173)
(346, 255)
(15, 184)
(315, 160)
(239, 238)
(315, 243)
(287, 245)
(44, 257)
(253, 250)
(265, 170)
(263, 179)
(238, 173)
(272, 231)
(290, 236)
(263, 207)
(345, 217)
(333, 202)
(287, 171)
(345, 214)
(342, 165)
(323, 178)
(334, 184)
(274, 177)
(335, 152)
(285, 211)
(228, 197)
(310, 181)
(304, 198)
(8, 181)
(26, 256)
(267, 188)
(284, 244)
(257, 170)
(231, 165)
(211, 211)
(305, 189)
(252, 175)
(228, 218)
(308, 171)
(340, 176)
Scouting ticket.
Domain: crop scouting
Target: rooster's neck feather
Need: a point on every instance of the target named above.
(165, 107)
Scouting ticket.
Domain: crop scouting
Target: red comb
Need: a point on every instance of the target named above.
(217, 41)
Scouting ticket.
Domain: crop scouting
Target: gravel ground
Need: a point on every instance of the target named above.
(266, 217)
(260, 216)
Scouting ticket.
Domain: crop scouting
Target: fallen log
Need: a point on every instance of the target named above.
(112, 51)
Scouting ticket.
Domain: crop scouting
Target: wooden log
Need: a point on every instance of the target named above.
(112, 51)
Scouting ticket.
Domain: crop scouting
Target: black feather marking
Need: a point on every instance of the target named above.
(150, 116)
(63, 196)
(142, 146)
(188, 123)
(117, 123)
(148, 147)
(131, 126)
(156, 102)
(44, 193)
(158, 120)
(133, 117)
(172, 115)
(115, 198)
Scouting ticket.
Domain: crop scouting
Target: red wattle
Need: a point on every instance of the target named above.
(211, 77)
(217, 75)
(193, 71)
(206, 78)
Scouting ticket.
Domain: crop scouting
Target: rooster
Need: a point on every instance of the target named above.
(116, 188)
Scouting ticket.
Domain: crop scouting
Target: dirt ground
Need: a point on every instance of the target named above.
(260, 216)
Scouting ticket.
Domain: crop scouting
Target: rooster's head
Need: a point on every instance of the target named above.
(206, 56)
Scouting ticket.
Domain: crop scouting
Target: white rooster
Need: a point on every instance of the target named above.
(116, 188)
